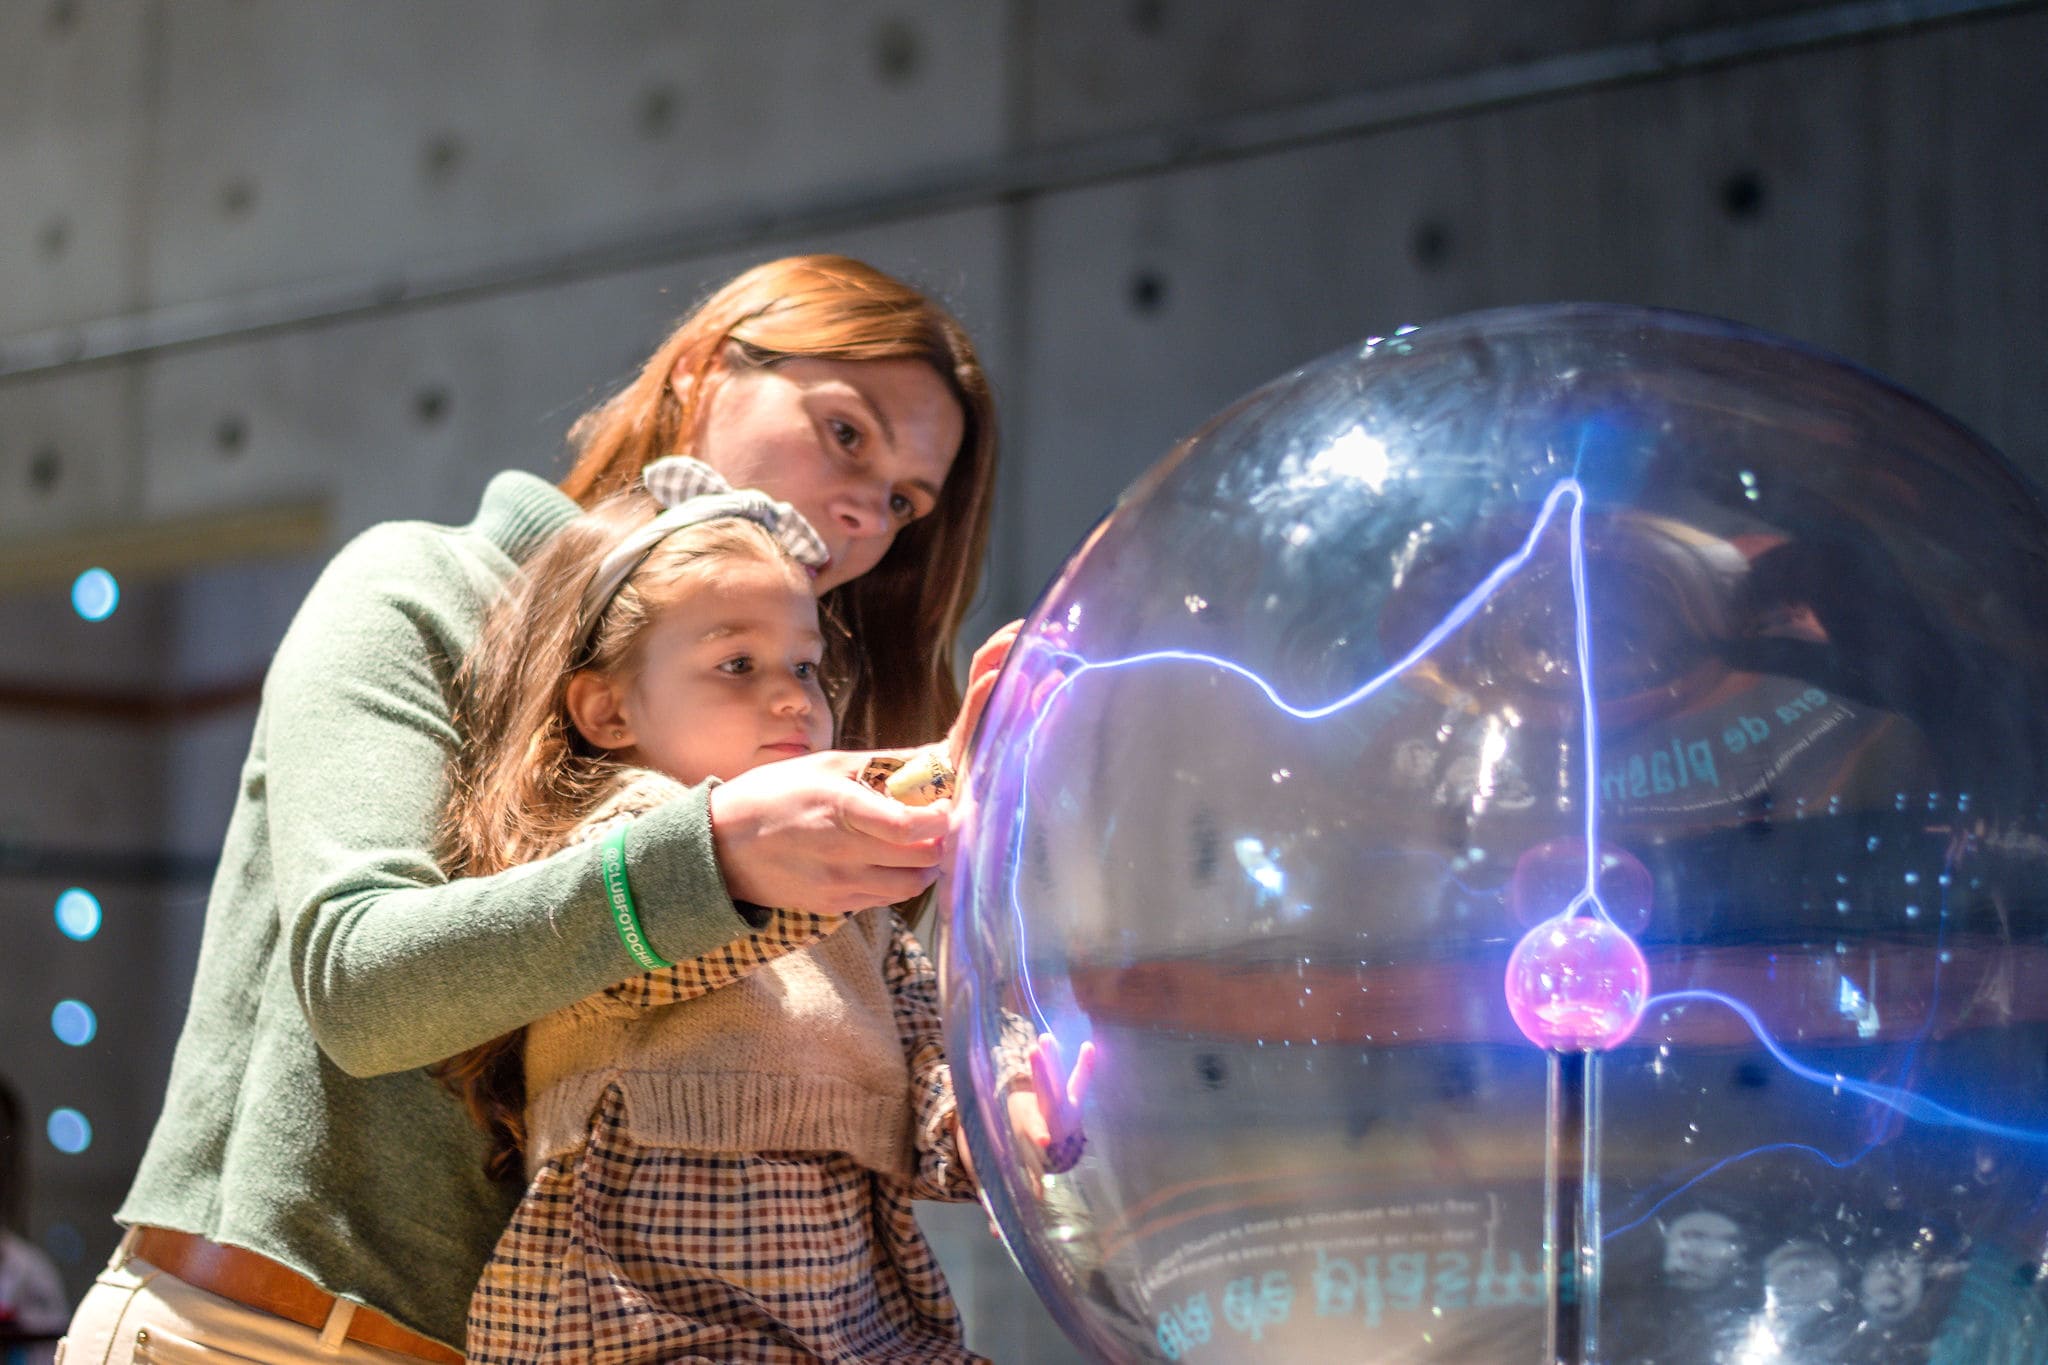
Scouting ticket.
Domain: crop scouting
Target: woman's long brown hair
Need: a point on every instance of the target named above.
(901, 620)
(525, 777)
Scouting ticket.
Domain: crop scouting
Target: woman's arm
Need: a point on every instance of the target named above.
(394, 964)
(944, 1170)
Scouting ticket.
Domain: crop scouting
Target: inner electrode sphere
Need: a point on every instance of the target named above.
(1283, 805)
(1577, 984)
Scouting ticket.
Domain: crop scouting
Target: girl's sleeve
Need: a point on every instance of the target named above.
(395, 965)
(913, 986)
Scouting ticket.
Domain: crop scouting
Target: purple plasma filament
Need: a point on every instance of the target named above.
(1577, 983)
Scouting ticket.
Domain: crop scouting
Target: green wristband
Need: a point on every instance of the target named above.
(612, 858)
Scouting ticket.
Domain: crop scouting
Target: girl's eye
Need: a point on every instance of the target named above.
(807, 672)
(845, 433)
(738, 664)
(902, 507)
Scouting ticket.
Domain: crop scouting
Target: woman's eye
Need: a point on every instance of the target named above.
(737, 664)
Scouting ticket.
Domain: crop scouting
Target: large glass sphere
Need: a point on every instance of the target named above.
(1528, 839)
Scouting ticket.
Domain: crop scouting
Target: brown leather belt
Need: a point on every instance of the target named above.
(256, 1281)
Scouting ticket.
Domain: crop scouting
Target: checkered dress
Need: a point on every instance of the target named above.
(623, 1252)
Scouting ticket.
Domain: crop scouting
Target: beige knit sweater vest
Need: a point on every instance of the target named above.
(801, 1054)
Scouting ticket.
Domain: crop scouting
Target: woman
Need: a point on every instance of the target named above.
(310, 1189)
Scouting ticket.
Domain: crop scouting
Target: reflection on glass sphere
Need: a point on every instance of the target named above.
(1541, 825)
(1550, 875)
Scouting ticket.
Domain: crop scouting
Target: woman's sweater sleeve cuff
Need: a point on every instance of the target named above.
(672, 868)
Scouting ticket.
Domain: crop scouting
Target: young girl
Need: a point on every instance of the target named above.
(721, 1153)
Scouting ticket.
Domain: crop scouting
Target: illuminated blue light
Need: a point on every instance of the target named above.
(70, 1131)
(95, 594)
(1854, 1004)
(74, 1022)
(1258, 865)
(1901, 1101)
(1724, 1163)
(78, 914)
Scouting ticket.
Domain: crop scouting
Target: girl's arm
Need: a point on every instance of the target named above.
(942, 1169)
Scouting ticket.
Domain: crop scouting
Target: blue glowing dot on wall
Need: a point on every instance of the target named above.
(78, 914)
(95, 594)
(74, 1022)
(70, 1131)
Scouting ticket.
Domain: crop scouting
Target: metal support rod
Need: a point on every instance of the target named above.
(1589, 1225)
(1005, 179)
(1571, 1211)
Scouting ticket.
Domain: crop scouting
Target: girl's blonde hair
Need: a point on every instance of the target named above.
(898, 624)
(524, 778)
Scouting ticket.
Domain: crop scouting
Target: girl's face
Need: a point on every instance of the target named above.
(860, 447)
(728, 677)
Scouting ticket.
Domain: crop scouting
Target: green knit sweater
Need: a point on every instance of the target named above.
(337, 960)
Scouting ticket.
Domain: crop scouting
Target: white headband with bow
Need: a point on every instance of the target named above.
(692, 492)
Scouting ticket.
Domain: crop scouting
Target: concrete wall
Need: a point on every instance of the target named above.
(336, 263)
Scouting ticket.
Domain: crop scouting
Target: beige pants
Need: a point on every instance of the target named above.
(135, 1312)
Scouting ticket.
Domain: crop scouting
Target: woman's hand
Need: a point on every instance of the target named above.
(803, 834)
(981, 681)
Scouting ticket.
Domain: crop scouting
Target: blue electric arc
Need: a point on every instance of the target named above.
(1074, 666)
(1077, 667)
(1885, 1098)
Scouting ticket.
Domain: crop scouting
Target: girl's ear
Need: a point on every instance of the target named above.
(596, 709)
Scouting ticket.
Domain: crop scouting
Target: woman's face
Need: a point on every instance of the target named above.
(860, 447)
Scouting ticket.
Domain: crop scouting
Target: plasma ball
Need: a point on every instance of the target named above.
(1499, 587)
(1577, 984)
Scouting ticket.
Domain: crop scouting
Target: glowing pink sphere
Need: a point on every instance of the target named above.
(1577, 984)
(1550, 875)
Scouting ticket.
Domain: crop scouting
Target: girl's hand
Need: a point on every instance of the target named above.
(981, 681)
(1046, 1119)
(803, 834)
